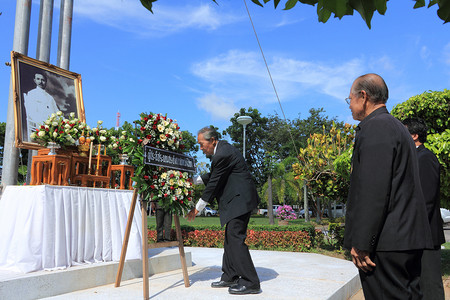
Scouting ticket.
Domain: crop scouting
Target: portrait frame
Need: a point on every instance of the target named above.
(61, 89)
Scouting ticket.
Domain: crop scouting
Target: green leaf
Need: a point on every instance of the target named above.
(419, 3)
(275, 3)
(290, 4)
(381, 6)
(257, 2)
(365, 9)
(444, 10)
(148, 4)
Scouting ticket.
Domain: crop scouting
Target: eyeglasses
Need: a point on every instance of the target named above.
(348, 99)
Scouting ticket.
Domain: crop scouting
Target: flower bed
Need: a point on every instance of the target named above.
(292, 238)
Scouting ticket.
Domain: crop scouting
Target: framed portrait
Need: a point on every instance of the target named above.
(41, 89)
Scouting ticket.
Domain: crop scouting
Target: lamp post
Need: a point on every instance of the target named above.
(244, 121)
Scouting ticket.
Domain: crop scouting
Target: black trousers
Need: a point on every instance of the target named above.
(431, 278)
(237, 262)
(163, 225)
(396, 276)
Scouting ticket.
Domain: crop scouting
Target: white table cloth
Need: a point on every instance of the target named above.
(54, 227)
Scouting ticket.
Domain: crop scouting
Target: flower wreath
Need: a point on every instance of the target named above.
(173, 189)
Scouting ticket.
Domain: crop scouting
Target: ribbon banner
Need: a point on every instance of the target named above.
(168, 159)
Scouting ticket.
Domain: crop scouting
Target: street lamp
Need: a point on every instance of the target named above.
(244, 121)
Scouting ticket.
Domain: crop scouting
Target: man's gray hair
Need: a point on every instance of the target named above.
(208, 133)
(374, 86)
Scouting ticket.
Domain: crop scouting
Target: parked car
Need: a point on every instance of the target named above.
(209, 212)
(301, 213)
(445, 214)
(264, 211)
(337, 211)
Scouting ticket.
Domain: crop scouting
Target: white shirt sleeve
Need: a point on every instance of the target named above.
(201, 205)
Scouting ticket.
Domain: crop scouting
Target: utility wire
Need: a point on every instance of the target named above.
(270, 75)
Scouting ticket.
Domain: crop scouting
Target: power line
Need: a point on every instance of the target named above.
(270, 76)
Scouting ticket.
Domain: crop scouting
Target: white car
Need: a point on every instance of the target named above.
(209, 212)
(445, 214)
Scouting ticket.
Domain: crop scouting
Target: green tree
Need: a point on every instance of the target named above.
(340, 8)
(316, 164)
(255, 140)
(434, 108)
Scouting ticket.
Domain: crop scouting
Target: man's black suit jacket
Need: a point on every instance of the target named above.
(230, 182)
(385, 210)
(429, 179)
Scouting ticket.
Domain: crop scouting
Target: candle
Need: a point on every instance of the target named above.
(98, 159)
(105, 150)
(90, 158)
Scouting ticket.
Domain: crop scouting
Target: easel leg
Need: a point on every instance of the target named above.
(144, 249)
(126, 238)
(181, 249)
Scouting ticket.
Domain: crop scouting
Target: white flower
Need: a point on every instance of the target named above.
(94, 129)
(162, 137)
(55, 124)
(66, 120)
(160, 128)
(48, 122)
(72, 115)
(55, 134)
(52, 116)
(46, 127)
(164, 175)
(88, 127)
(122, 137)
(124, 132)
(66, 130)
(115, 146)
(103, 131)
(41, 133)
(75, 130)
(170, 142)
(99, 122)
(131, 140)
(59, 113)
(102, 138)
(67, 126)
(33, 135)
(178, 192)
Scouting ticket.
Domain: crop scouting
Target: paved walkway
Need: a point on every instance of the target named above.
(283, 275)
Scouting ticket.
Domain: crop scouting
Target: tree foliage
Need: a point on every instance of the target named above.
(341, 8)
(434, 108)
(316, 163)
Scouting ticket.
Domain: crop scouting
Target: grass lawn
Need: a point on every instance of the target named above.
(254, 220)
(445, 255)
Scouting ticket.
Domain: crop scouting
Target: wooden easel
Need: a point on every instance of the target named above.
(146, 246)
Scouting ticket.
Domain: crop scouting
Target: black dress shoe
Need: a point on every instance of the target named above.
(221, 284)
(239, 289)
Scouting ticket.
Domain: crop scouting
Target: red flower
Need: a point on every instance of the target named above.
(171, 175)
(181, 146)
(152, 186)
(155, 176)
(172, 188)
(150, 116)
(42, 127)
(61, 132)
(163, 183)
(145, 119)
(142, 128)
(139, 141)
(158, 142)
(149, 136)
(146, 177)
(154, 127)
(167, 135)
(165, 195)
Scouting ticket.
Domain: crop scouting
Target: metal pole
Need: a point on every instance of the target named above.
(243, 150)
(20, 44)
(65, 34)
(44, 31)
(44, 40)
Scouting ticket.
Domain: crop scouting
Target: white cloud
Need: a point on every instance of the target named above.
(218, 108)
(243, 76)
(131, 16)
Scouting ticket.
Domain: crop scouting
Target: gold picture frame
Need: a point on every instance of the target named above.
(41, 88)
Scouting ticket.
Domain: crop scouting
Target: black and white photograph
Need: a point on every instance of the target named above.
(42, 89)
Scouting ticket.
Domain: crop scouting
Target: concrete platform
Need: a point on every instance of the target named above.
(283, 275)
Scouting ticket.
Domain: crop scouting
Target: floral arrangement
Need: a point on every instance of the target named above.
(99, 135)
(58, 129)
(286, 212)
(160, 131)
(120, 144)
(172, 189)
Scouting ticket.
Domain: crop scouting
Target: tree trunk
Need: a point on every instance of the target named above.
(305, 201)
(270, 200)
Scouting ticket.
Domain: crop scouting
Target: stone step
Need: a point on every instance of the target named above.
(51, 283)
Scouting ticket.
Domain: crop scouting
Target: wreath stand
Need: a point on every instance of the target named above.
(146, 246)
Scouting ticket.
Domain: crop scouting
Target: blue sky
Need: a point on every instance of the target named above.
(200, 63)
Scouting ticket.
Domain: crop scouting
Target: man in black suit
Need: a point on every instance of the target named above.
(231, 183)
(386, 226)
(431, 279)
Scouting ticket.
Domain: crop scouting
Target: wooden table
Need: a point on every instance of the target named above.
(86, 180)
(50, 169)
(123, 169)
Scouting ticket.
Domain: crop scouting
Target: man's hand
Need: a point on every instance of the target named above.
(362, 260)
(192, 214)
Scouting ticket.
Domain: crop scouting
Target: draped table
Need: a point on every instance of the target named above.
(54, 227)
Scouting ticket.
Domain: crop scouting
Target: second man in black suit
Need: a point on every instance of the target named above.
(231, 183)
